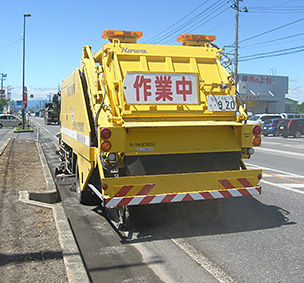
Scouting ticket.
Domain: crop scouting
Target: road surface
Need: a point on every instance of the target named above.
(256, 239)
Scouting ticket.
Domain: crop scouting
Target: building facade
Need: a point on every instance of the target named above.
(263, 93)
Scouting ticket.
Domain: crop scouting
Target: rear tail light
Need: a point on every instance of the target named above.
(105, 133)
(105, 145)
(256, 130)
(289, 124)
(271, 125)
(256, 140)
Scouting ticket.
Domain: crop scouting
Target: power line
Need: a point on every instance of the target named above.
(272, 53)
(291, 90)
(169, 32)
(207, 21)
(195, 9)
(20, 38)
(193, 19)
(273, 40)
(269, 31)
(277, 9)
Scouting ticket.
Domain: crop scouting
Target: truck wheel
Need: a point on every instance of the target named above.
(1, 126)
(297, 134)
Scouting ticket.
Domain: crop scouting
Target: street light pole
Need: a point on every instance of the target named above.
(23, 73)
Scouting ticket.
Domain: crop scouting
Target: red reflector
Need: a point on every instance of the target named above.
(259, 176)
(105, 145)
(105, 133)
(289, 123)
(256, 140)
(256, 130)
(105, 186)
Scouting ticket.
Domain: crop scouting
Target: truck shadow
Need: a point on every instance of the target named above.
(237, 215)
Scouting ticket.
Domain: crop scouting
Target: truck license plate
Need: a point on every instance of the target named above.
(221, 103)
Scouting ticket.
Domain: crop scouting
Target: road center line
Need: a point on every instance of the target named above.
(283, 178)
(282, 186)
(275, 170)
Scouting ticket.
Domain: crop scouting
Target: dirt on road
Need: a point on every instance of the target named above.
(29, 246)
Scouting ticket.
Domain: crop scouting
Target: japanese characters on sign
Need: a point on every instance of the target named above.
(151, 88)
(255, 79)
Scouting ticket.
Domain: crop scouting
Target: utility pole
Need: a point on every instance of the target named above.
(9, 92)
(23, 74)
(236, 7)
(3, 76)
(236, 48)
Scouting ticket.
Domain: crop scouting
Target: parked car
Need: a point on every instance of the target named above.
(292, 127)
(270, 127)
(293, 115)
(260, 118)
(8, 120)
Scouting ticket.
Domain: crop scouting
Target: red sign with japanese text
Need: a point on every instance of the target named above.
(151, 88)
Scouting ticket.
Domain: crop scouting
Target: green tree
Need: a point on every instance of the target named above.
(3, 102)
(299, 108)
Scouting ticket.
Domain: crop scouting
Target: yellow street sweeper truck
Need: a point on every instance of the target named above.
(145, 124)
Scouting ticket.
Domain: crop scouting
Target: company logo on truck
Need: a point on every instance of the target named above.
(127, 50)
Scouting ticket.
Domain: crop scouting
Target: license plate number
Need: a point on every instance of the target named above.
(221, 103)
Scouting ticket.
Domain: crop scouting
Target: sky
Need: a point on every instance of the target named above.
(271, 35)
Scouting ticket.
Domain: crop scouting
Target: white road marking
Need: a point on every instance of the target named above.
(39, 125)
(287, 187)
(276, 170)
(203, 261)
(282, 152)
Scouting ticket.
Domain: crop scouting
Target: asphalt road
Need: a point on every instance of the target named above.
(256, 239)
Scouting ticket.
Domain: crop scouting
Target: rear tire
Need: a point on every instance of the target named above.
(297, 134)
(1, 126)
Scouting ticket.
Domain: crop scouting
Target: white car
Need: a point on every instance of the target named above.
(260, 118)
(8, 120)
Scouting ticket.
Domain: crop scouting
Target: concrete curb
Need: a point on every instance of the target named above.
(74, 266)
(5, 145)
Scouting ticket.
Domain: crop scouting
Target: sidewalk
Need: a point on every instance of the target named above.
(32, 246)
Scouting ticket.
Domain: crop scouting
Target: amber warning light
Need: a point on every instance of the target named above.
(122, 34)
(196, 37)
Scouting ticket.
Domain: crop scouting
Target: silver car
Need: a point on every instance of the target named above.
(8, 120)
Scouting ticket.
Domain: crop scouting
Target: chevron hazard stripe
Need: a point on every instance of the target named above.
(165, 198)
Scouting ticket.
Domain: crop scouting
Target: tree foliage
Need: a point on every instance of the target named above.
(299, 108)
(3, 103)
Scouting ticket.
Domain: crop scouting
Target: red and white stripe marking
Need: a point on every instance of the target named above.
(120, 200)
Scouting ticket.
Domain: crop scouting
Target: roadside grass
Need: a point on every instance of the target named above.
(27, 128)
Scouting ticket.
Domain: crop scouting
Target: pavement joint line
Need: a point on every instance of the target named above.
(73, 263)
